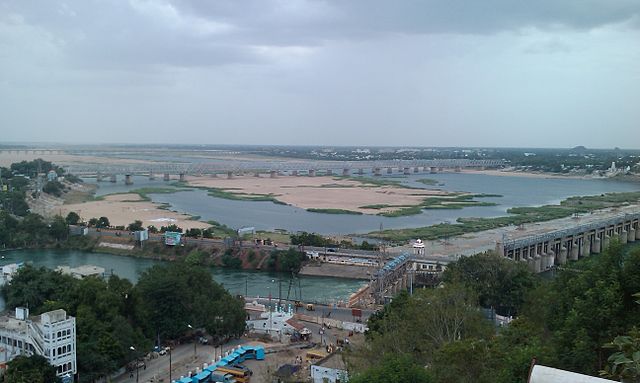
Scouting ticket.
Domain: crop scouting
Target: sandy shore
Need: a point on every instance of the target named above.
(123, 209)
(320, 192)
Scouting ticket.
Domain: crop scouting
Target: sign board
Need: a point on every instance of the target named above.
(246, 230)
(356, 313)
(141, 235)
(172, 238)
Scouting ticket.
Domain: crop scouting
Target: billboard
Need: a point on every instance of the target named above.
(172, 238)
(142, 235)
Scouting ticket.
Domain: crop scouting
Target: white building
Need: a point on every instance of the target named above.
(275, 323)
(51, 334)
(329, 370)
(8, 271)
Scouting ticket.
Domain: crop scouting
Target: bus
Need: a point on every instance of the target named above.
(240, 374)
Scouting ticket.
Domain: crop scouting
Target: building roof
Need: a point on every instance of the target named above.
(333, 361)
(543, 374)
(295, 324)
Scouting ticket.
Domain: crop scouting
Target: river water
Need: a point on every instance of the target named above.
(253, 283)
(515, 191)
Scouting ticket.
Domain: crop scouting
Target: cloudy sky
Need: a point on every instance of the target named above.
(545, 73)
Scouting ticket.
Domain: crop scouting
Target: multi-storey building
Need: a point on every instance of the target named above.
(51, 335)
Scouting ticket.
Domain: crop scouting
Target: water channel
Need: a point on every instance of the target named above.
(253, 283)
(515, 191)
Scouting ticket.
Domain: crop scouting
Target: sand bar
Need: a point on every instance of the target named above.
(123, 209)
(320, 192)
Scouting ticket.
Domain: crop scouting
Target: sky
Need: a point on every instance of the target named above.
(499, 73)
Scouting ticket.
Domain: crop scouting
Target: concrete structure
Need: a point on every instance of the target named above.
(113, 178)
(82, 272)
(128, 180)
(8, 271)
(166, 177)
(275, 323)
(544, 251)
(51, 335)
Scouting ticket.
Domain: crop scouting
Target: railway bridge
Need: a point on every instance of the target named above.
(544, 251)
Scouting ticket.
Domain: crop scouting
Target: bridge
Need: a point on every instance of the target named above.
(544, 251)
(231, 168)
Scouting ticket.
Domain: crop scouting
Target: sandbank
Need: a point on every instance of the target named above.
(320, 192)
(123, 209)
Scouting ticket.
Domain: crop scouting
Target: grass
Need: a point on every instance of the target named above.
(376, 181)
(458, 201)
(428, 181)
(220, 193)
(519, 215)
(333, 211)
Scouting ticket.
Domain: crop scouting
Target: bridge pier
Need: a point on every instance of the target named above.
(152, 176)
(360, 171)
(433, 170)
(345, 172)
(312, 172)
(575, 248)
(405, 171)
(113, 178)
(256, 174)
(537, 263)
(605, 242)
(328, 172)
(294, 173)
(98, 177)
(416, 169)
(586, 246)
(596, 245)
(623, 236)
(457, 169)
(389, 170)
(181, 177)
(638, 232)
(128, 180)
(376, 172)
(551, 259)
(229, 175)
(272, 174)
(631, 237)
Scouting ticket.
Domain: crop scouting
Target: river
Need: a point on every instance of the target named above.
(515, 191)
(253, 283)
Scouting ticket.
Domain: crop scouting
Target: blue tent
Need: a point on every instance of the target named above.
(202, 377)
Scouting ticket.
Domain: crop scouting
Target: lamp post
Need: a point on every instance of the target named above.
(195, 342)
(136, 361)
(170, 381)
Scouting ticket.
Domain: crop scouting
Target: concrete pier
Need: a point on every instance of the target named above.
(98, 177)
(294, 173)
(575, 249)
(605, 242)
(389, 170)
(377, 172)
(329, 172)
(631, 237)
(256, 174)
(166, 177)
(595, 245)
(433, 170)
(406, 171)
(182, 179)
(345, 172)
(586, 247)
(416, 169)
(312, 172)
(113, 178)
(152, 176)
(623, 236)
(272, 174)
(360, 171)
(128, 180)
(457, 169)
(229, 175)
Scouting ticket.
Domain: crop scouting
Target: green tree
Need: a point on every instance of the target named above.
(394, 368)
(135, 226)
(72, 218)
(33, 369)
(59, 229)
(103, 222)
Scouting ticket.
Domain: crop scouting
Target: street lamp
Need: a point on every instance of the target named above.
(170, 381)
(195, 342)
(136, 361)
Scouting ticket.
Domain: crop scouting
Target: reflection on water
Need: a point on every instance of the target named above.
(253, 283)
